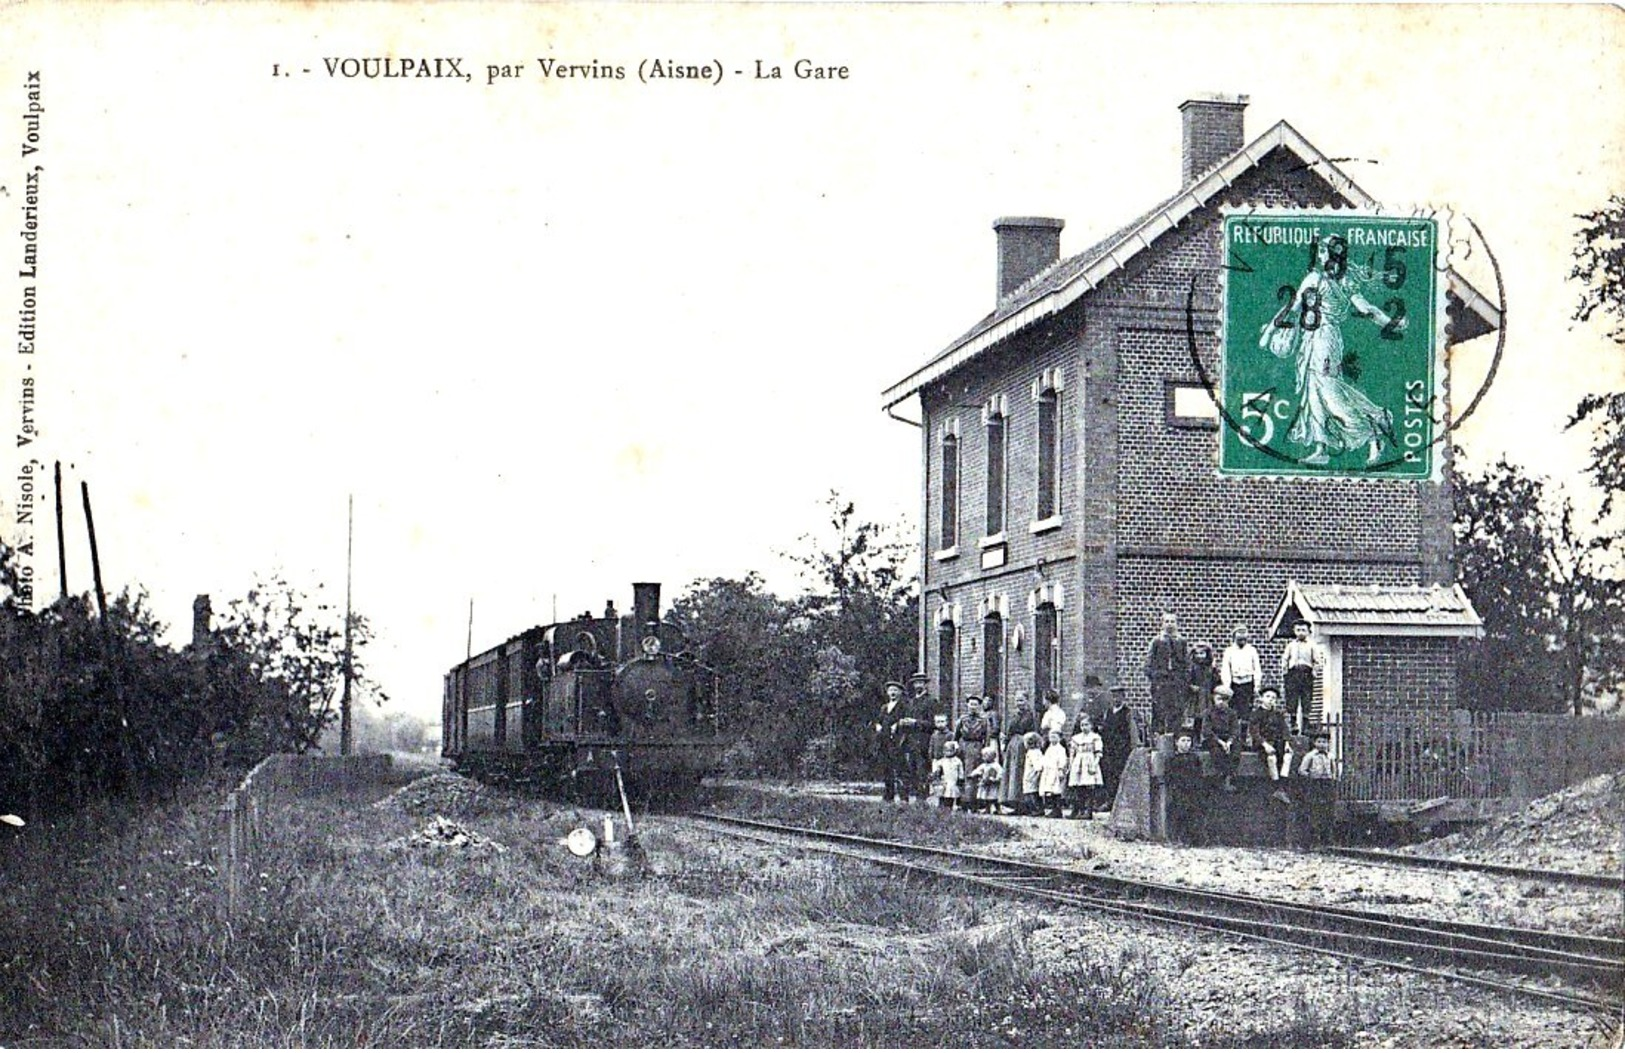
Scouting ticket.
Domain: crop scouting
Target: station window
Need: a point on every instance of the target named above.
(1046, 650)
(950, 490)
(993, 656)
(995, 474)
(947, 662)
(1049, 454)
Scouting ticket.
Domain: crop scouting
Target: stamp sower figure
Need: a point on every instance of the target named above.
(1118, 736)
(893, 727)
(1167, 666)
(1299, 661)
(1242, 671)
(1015, 752)
(1186, 789)
(1333, 415)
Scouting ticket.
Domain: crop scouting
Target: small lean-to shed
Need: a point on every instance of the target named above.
(1385, 689)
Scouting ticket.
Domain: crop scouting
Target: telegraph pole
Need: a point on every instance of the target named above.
(345, 743)
(61, 543)
(107, 642)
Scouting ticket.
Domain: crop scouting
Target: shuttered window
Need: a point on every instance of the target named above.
(1049, 454)
(1046, 650)
(995, 475)
(950, 491)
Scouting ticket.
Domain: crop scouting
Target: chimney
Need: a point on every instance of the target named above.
(1027, 244)
(645, 604)
(1213, 131)
(201, 613)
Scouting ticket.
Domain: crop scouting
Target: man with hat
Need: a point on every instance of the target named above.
(923, 707)
(894, 737)
(1118, 737)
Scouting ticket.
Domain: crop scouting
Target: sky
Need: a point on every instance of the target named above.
(556, 335)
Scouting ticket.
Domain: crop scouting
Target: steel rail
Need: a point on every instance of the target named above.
(1612, 882)
(1357, 946)
(1598, 952)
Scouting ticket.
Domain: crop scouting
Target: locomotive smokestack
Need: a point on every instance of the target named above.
(645, 603)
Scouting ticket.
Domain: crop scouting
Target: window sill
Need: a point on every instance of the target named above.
(1043, 526)
(992, 540)
(943, 554)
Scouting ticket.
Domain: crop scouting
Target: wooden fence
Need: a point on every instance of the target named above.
(1472, 756)
(243, 813)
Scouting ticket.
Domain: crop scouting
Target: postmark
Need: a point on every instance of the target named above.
(1332, 357)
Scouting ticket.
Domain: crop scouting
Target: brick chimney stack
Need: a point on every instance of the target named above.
(1213, 131)
(202, 613)
(1027, 244)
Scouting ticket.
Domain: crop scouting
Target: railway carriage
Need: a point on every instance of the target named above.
(571, 703)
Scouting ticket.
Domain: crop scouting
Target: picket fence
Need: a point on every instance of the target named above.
(277, 777)
(1472, 756)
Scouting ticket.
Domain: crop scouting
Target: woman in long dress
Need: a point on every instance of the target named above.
(1333, 416)
(1015, 753)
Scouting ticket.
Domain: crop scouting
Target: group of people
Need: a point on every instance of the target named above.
(1041, 763)
(1032, 764)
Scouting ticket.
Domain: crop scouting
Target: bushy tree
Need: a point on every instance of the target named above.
(292, 649)
(1599, 266)
(1547, 587)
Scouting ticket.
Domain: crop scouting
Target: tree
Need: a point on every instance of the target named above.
(292, 652)
(1547, 590)
(1599, 265)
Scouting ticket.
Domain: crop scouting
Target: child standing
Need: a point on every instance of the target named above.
(1052, 775)
(951, 769)
(1221, 737)
(1319, 788)
(1083, 779)
(985, 780)
(1184, 783)
(1268, 736)
(1032, 767)
(939, 735)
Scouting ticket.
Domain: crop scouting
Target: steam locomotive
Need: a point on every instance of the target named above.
(579, 703)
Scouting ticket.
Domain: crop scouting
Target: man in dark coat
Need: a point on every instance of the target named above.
(1118, 736)
(1168, 667)
(923, 707)
(893, 730)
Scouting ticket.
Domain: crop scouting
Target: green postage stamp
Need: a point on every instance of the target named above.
(1332, 357)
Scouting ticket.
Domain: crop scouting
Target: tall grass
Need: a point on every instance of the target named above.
(116, 940)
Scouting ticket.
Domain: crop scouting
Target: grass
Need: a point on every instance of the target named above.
(113, 939)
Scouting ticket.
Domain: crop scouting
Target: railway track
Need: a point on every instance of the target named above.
(1585, 973)
(1612, 882)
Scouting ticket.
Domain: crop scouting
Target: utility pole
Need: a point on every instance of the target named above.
(470, 650)
(345, 743)
(61, 543)
(107, 642)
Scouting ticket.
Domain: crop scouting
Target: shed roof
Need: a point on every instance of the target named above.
(1378, 610)
(1060, 284)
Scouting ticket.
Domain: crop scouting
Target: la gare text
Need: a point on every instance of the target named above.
(650, 70)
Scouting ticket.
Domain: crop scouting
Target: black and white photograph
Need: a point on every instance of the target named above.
(812, 525)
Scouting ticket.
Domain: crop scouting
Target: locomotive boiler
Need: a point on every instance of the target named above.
(568, 704)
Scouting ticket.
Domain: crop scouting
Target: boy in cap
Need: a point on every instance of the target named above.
(1318, 780)
(1268, 736)
(1221, 737)
(1299, 660)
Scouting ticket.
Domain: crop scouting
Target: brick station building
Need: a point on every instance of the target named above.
(1068, 450)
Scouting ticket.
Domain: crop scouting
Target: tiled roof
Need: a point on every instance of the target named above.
(1063, 282)
(1401, 610)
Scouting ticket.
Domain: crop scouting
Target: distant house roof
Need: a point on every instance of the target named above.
(1377, 610)
(1060, 284)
